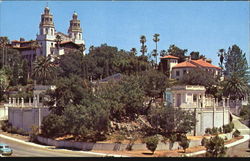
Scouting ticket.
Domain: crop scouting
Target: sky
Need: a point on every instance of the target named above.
(193, 25)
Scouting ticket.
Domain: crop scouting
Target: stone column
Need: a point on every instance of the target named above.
(22, 102)
(29, 101)
(223, 106)
(18, 103)
(34, 101)
(9, 101)
(14, 101)
(214, 109)
(38, 98)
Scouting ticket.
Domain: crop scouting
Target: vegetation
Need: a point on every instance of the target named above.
(82, 105)
(167, 120)
(215, 147)
(184, 143)
(228, 128)
(151, 143)
(236, 133)
(236, 73)
(204, 141)
(245, 112)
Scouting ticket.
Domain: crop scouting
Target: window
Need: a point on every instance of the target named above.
(177, 73)
(52, 32)
(50, 19)
(195, 98)
(46, 31)
(184, 72)
(51, 44)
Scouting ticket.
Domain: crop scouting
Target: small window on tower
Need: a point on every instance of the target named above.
(52, 32)
(50, 19)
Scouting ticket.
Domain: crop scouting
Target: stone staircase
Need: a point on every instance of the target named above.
(244, 130)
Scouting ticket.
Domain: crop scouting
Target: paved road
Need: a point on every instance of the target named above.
(23, 150)
(240, 150)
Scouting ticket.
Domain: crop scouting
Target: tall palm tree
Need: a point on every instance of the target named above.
(143, 46)
(44, 69)
(3, 42)
(221, 54)
(156, 40)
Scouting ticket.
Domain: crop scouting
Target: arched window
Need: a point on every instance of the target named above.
(46, 31)
(52, 32)
(79, 36)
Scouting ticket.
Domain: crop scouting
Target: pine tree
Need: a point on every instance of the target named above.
(236, 73)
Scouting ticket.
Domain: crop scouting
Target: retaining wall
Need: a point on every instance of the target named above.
(25, 118)
(109, 146)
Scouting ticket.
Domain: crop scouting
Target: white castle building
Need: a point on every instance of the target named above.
(49, 41)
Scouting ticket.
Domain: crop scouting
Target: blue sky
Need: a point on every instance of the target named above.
(197, 26)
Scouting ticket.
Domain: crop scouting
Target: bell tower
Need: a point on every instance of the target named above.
(47, 25)
(46, 36)
(75, 31)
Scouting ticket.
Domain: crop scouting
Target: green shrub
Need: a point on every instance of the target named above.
(5, 125)
(220, 130)
(119, 138)
(214, 131)
(151, 143)
(184, 143)
(204, 141)
(208, 131)
(228, 128)
(172, 139)
(236, 133)
(34, 133)
(215, 147)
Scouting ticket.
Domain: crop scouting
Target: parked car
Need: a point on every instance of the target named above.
(5, 149)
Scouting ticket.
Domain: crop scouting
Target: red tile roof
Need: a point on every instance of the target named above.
(195, 63)
(23, 41)
(203, 63)
(185, 64)
(169, 57)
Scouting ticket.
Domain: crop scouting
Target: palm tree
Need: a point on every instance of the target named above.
(44, 69)
(163, 53)
(156, 40)
(143, 46)
(34, 45)
(221, 54)
(91, 48)
(58, 41)
(133, 51)
(3, 42)
(82, 48)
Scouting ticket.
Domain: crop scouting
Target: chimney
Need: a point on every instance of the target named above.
(22, 39)
(188, 58)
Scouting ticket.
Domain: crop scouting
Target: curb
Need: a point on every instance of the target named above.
(246, 137)
(45, 147)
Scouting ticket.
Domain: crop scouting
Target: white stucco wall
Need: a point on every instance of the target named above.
(24, 118)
